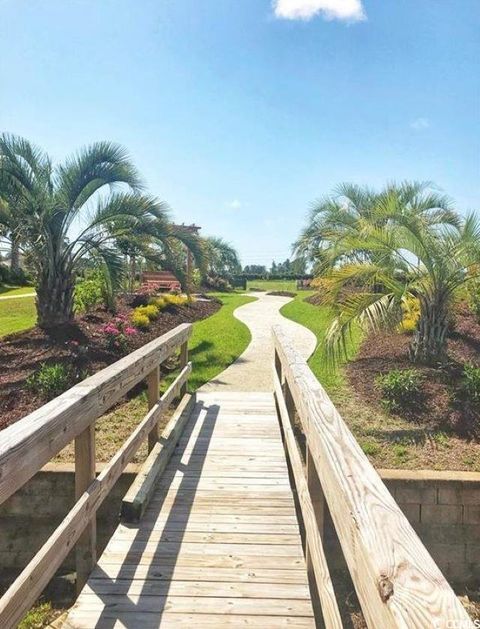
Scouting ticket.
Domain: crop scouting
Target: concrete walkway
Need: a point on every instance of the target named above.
(252, 371)
(17, 296)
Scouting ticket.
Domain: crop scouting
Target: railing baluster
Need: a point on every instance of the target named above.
(153, 384)
(183, 362)
(318, 501)
(86, 547)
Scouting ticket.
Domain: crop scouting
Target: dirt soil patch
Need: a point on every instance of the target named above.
(81, 345)
(440, 405)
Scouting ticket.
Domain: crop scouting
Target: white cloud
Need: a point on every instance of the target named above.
(420, 123)
(347, 10)
(235, 204)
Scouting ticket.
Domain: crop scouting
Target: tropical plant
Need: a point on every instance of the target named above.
(408, 257)
(222, 259)
(76, 211)
(351, 208)
(10, 225)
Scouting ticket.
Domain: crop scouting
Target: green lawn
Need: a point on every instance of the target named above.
(17, 315)
(217, 341)
(270, 285)
(7, 291)
(318, 319)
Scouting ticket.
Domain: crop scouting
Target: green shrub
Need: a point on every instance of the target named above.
(400, 388)
(88, 295)
(370, 447)
(50, 380)
(401, 453)
(217, 283)
(473, 294)
(39, 616)
(17, 277)
(470, 385)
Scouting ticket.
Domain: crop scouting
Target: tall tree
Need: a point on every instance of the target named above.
(222, 259)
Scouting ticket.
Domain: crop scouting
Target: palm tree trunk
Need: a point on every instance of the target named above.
(15, 254)
(55, 300)
(430, 339)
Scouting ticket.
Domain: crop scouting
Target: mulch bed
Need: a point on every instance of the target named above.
(282, 293)
(439, 405)
(23, 353)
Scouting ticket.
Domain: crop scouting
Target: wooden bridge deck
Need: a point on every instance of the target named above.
(219, 544)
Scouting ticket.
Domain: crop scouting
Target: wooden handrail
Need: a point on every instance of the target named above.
(32, 441)
(78, 527)
(397, 582)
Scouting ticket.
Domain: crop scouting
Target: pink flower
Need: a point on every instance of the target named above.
(129, 331)
(111, 329)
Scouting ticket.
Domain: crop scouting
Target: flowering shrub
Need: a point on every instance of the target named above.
(158, 302)
(117, 333)
(411, 315)
(140, 320)
(150, 311)
(175, 300)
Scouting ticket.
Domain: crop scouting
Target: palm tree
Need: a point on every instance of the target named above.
(75, 210)
(222, 259)
(351, 207)
(10, 226)
(409, 258)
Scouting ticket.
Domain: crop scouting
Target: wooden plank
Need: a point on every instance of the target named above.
(156, 587)
(397, 582)
(184, 573)
(138, 496)
(32, 580)
(153, 394)
(233, 560)
(201, 537)
(198, 605)
(86, 547)
(145, 550)
(111, 619)
(31, 442)
(326, 593)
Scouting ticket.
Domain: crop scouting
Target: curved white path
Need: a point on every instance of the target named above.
(252, 371)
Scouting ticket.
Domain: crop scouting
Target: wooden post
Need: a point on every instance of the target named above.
(153, 384)
(183, 363)
(318, 503)
(277, 365)
(86, 547)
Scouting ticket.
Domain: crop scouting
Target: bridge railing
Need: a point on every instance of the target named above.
(397, 582)
(31, 442)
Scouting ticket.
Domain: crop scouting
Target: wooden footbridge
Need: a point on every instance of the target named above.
(223, 526)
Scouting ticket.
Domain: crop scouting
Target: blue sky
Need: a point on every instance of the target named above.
(239, 113)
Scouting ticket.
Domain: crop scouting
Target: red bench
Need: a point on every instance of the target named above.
(158, 280)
